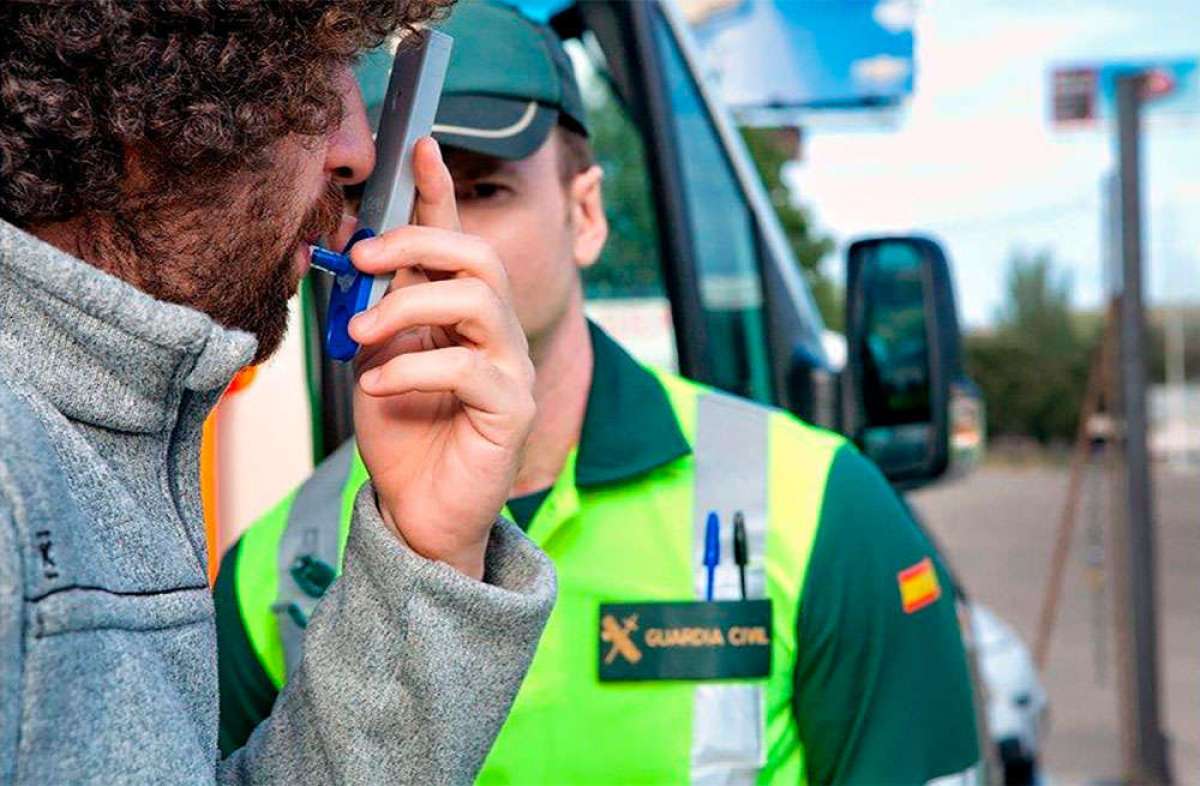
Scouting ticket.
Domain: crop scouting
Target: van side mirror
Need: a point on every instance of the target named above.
(903, 353)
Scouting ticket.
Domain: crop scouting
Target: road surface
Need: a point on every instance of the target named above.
(997, 526)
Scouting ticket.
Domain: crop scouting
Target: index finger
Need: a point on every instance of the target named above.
(435, 205)
(437, 251)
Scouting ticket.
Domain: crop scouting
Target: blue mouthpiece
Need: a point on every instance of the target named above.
(351, 294)
(331, 261)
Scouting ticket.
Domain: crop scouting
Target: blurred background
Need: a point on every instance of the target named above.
(760, 157)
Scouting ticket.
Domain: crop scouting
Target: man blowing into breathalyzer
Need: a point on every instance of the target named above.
(163, 168)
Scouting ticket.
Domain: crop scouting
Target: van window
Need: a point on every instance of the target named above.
(624, 291)
(723, 236)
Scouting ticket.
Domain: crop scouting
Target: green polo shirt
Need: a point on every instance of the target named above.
(882, 693)
(628, 427)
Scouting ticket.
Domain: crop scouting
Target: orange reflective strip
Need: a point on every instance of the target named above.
(208, 492)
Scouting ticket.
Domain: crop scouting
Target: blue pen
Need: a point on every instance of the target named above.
(712, 549)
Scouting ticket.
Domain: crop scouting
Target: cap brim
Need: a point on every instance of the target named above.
(501, 127)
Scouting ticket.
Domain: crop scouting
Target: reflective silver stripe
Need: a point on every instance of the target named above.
(313, 526)
(728, 727)
(971, 776)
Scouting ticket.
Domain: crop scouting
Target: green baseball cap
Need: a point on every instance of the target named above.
(508, 84)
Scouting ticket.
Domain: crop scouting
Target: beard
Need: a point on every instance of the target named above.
(231, 258)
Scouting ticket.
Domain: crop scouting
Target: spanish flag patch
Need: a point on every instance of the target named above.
(918, 586)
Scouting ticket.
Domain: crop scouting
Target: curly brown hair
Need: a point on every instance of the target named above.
(201, 88)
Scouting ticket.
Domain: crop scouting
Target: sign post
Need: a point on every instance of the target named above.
(1143, 743)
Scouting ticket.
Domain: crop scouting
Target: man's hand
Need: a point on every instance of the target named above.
(444, 400)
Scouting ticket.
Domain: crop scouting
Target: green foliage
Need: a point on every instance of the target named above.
(630, 265)
(809, 246)
(1033, 366)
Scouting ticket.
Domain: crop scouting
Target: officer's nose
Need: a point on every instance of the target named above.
(350, 152)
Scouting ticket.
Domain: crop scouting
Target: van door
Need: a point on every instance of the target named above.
(741, 310)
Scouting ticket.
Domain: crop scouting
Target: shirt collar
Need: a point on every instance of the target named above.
(629, 427)
(100, 350)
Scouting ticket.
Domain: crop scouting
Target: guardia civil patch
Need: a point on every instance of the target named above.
(918, 586)
(688, 640)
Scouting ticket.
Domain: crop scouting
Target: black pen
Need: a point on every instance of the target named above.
(741, 551)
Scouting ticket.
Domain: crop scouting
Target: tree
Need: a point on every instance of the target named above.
(770, 154)
(1033, 366)
(1039, 300)
(630, 265)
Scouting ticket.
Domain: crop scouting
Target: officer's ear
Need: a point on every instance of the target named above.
(588, 222)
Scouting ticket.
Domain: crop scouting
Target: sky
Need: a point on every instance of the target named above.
(975, 161)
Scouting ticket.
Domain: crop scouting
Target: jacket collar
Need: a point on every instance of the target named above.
(100, 350)
(629, 427)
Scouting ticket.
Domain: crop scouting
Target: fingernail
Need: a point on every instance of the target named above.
(370, 378)
(363, 321)
(363, 246)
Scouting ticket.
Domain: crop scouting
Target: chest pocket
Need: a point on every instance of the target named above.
(81, 609)
(143, 663)
(727, 734)
(729, 720)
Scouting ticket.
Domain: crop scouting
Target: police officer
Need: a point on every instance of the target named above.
(844, 665)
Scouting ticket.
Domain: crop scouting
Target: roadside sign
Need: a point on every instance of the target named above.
(1084, 95)
(780, 62)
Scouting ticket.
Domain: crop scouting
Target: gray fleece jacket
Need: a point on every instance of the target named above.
(107, 642)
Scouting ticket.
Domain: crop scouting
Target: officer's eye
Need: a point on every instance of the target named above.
(480, 190)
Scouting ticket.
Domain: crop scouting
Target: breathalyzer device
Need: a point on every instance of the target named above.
(409, 107)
